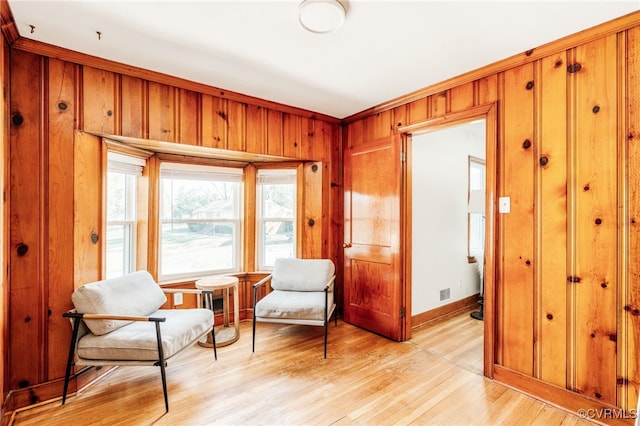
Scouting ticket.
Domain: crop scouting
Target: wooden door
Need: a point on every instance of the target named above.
(373, 293)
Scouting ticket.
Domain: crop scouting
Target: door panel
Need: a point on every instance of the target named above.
(372, 279)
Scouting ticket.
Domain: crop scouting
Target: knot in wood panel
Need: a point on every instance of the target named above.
(573, 68)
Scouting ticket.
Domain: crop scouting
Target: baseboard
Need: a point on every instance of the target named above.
(5, 413)
(575, 403)
(20, 398)
(442, 311)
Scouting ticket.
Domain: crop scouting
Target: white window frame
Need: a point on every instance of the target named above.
(476, 184)
(273, 176)
(200, 172)
(131, 168)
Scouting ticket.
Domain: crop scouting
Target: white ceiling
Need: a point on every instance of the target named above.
(384, 50)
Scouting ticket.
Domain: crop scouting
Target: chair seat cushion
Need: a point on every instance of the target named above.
(137, 340)
(293, 305)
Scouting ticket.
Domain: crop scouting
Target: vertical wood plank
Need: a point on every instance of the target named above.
(438, 104)
(189, 117)
(250, 182)
(88, 210)
(596, 219)
(418, 110)
(145, 217)
(632, 330)
(4, 212)
(133, 108)
(461, 97)
(26, 197)
(312, 214)
(236, 126)
(61, 107)
(354, 134)
(162, 112)
(153, 204)
(378, 126)
(292, 135)
(309, 140)
(215, 119)
(98, 100)
(321, 136)
(486, 90)
(551, 338)
(399, 117)
(274, 133)
(336, 217)
(515, 337)
(256, 129)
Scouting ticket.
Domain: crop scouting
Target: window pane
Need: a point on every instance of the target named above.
(116, 196)
(118, 252)
(276, 211)
(200, 217)
(198, 199)
(191, 248)
(121, 219)
(278, 200)
(476, 234)
(476, 219)
(279, 238)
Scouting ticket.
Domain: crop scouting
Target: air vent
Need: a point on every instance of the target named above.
(445, 294)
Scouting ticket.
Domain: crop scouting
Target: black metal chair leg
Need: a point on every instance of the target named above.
(70, 363)
(162, 367)
(213, 339)
(209, 300)
(325, 338)
(253, 338)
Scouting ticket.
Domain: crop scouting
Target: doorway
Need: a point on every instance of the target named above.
(488, 115)
(447, 236)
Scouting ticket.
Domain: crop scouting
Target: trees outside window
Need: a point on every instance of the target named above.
(199, 220)
(276, 211)
(123, 172)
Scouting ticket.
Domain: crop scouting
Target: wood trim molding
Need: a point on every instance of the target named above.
(9, 29)
(469, 114)
(63, 54)
(562, 398)
(610, 27)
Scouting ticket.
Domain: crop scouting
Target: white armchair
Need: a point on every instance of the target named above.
(303, 293)
(118, 322)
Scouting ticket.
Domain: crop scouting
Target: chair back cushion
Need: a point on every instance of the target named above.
(132, 294)
(301, 274)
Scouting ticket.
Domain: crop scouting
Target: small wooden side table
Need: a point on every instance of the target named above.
(225, 335)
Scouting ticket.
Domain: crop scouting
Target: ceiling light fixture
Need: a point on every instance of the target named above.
(321, 16)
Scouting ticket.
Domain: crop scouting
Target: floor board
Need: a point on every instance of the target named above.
(435, 378)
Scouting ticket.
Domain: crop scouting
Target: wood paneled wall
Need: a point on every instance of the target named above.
(4, 228)
(57, 162)
(567, 290)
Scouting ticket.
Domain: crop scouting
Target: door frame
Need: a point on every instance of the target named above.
(488, 112)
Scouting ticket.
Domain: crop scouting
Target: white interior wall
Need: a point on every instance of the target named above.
(439, 164)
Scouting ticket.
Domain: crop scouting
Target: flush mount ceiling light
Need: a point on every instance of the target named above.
(321, 16)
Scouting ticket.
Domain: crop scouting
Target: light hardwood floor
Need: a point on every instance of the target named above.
(435, 378)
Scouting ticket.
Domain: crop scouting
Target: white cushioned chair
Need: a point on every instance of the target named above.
(119, 322)
(302, 293)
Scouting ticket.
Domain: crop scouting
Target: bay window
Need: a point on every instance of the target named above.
(276, 216)
(200, 220)
(122, 174)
